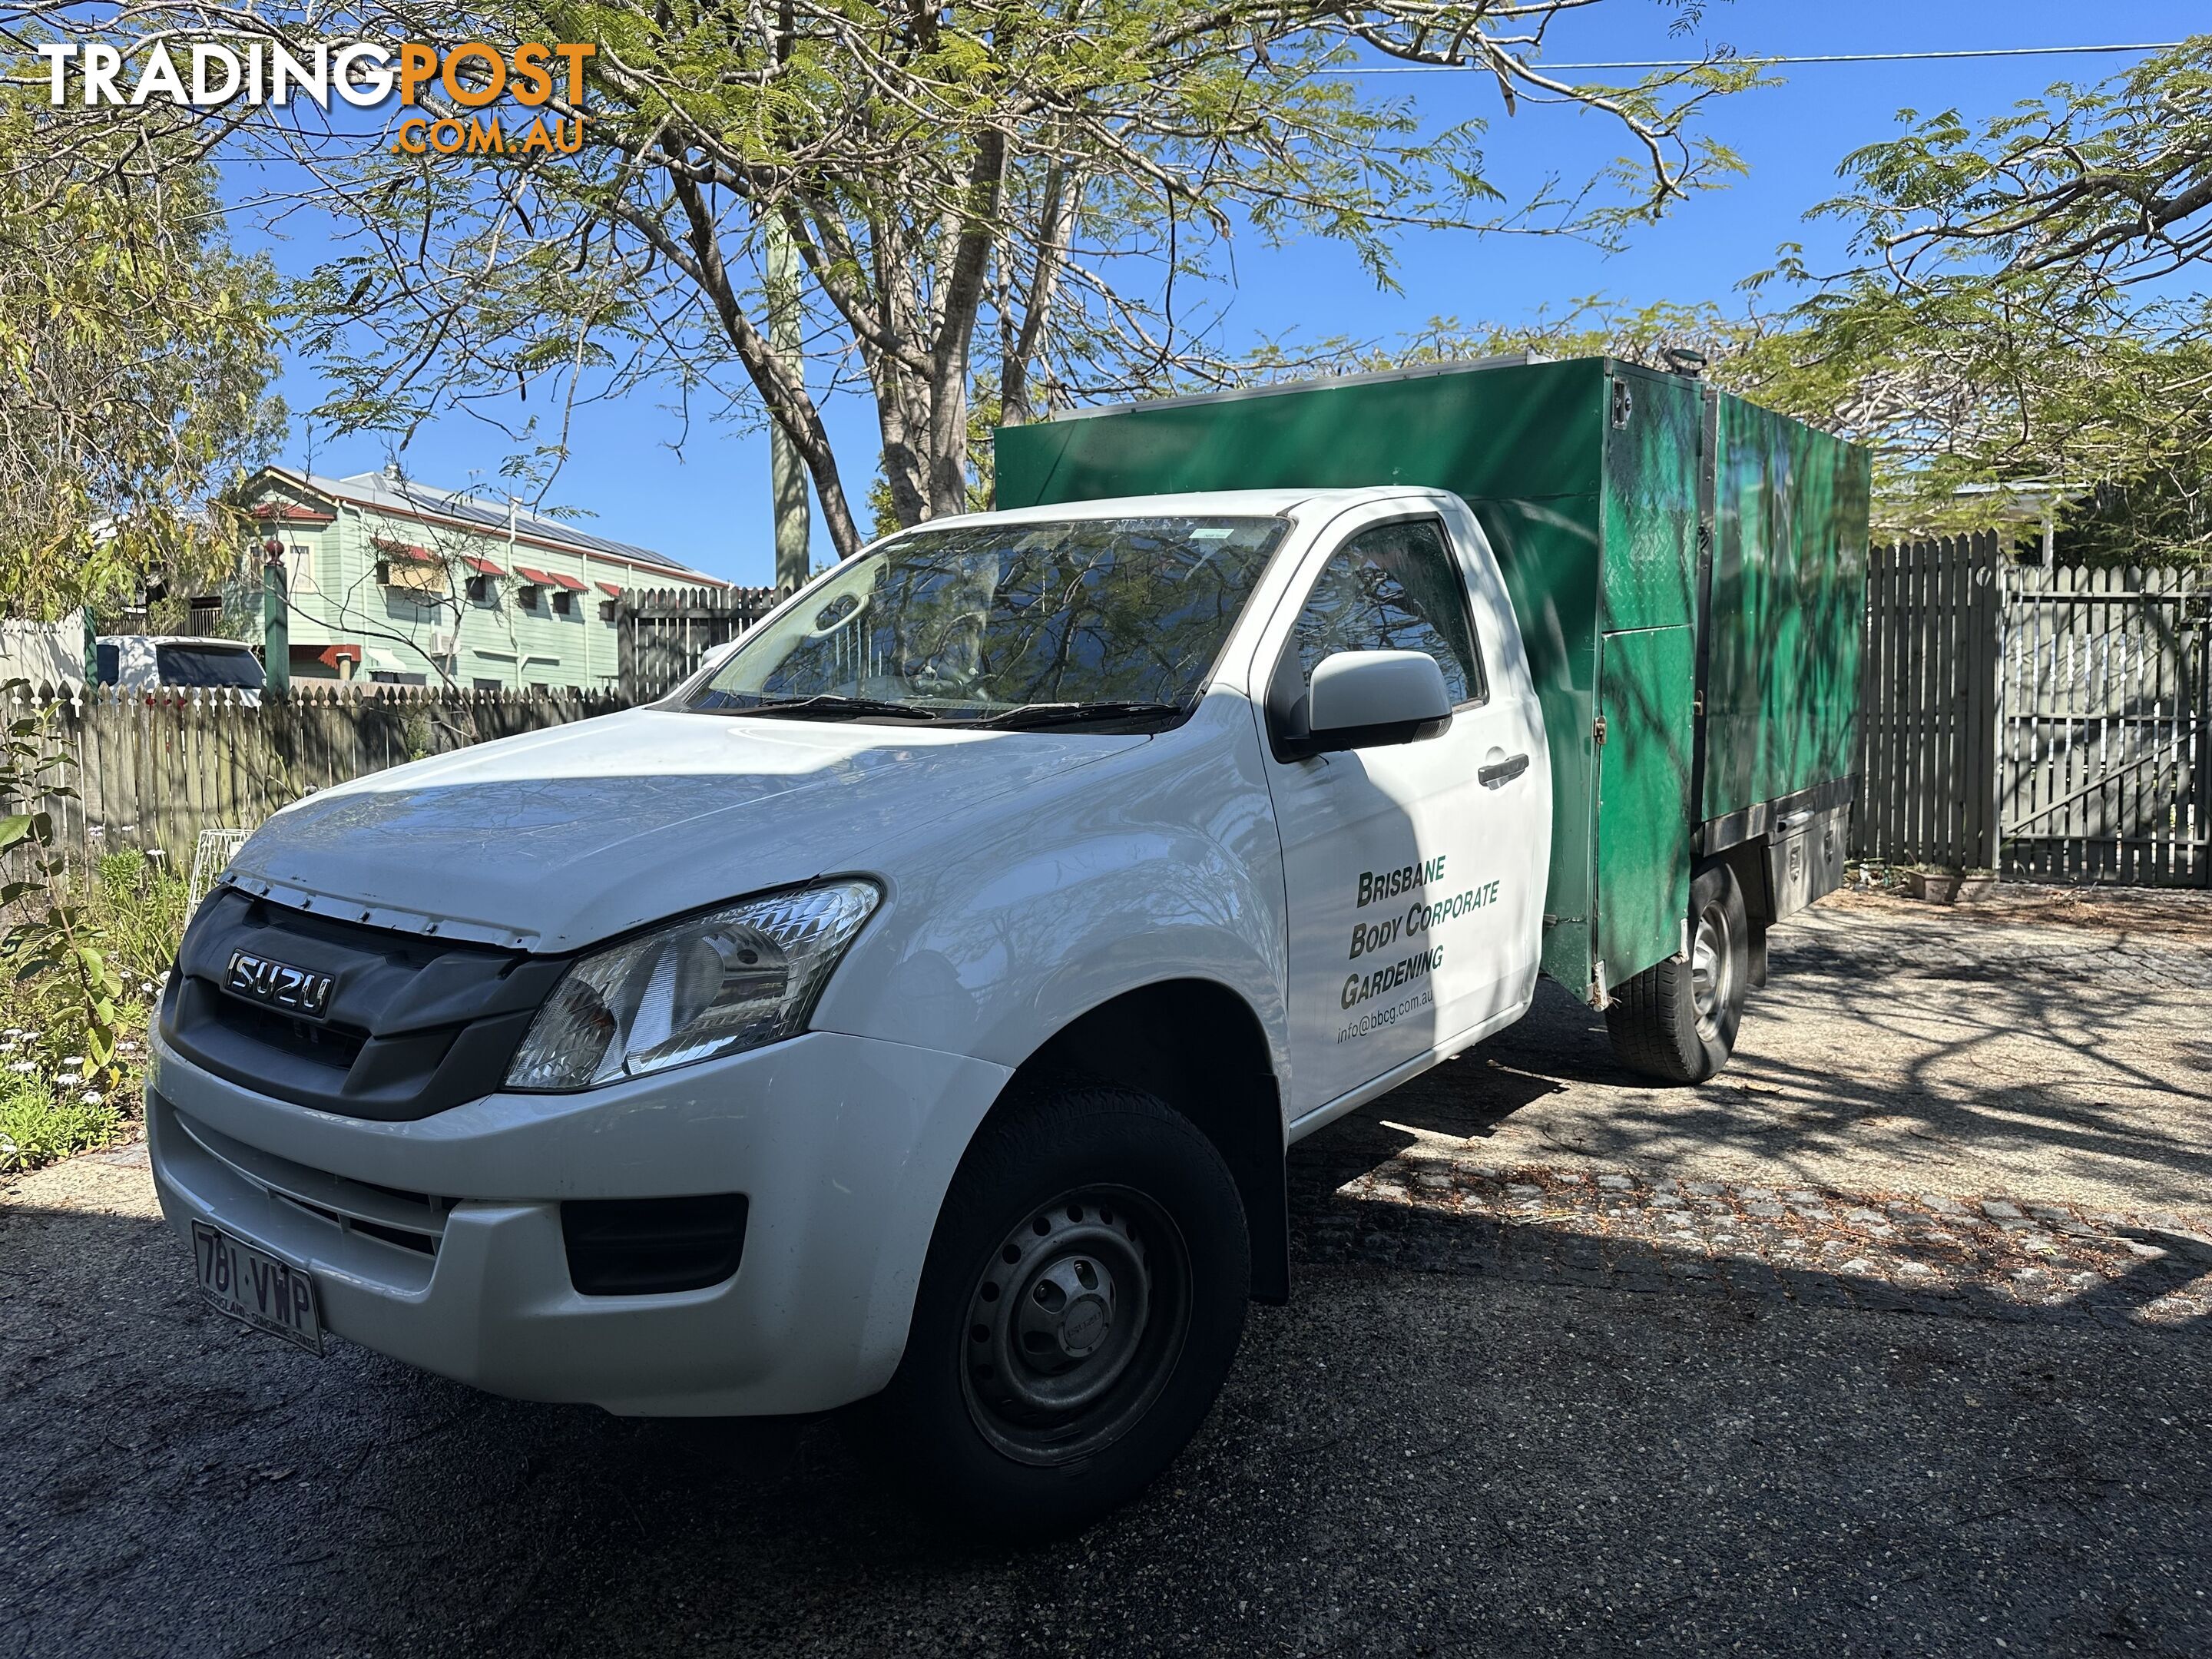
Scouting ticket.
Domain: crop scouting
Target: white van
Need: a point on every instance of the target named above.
(146, 662)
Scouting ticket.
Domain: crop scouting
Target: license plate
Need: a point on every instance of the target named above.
(254, 1287)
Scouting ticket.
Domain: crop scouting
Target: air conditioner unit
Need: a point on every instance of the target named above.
(444, 642)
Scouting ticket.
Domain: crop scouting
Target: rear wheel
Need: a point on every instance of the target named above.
(1081, 1303)
(1677, 1022)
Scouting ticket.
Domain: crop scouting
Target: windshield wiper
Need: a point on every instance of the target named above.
(1072, 714)
(832, 706)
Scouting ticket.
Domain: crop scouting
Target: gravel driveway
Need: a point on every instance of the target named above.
(1896, 1341)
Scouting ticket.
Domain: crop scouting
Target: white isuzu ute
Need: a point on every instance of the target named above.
(915, 1004)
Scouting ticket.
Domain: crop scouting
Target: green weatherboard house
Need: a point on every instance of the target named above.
(1689, 572)
(400, 582)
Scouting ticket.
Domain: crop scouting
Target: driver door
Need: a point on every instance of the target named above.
(1411, 869)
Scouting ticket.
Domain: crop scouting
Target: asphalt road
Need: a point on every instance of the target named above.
(1405, 1463)
(1432, 1451)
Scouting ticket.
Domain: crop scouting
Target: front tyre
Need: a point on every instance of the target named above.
(1677, 1021)
(1079, 1308)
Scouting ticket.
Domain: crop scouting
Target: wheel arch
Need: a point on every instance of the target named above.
(1201, 1047)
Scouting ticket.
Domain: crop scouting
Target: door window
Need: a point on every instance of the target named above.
(1394, 587)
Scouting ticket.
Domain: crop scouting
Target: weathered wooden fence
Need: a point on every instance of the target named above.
(2107, 727)
(154, 770)
(662, 635)
(1927, 785)
(2052, 724)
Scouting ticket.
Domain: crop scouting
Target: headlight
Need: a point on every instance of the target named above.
(713, 985)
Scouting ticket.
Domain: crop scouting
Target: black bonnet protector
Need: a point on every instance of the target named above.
(358, 1021)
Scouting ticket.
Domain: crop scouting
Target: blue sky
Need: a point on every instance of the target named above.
(710, 507)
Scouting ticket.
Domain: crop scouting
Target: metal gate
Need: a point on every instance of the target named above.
(2107, 728)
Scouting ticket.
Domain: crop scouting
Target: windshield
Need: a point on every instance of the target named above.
(205, 665)
(994, 621)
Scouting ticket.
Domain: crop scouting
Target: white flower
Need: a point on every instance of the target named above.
(73, 1060)
(94, 1097)
(24, 1066)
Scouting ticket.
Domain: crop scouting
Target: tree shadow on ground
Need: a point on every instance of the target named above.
(1995, 1067)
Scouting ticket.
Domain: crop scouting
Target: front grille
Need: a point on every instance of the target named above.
(644, 1246)
(326, 1045)
(411, 1025)
(408, 1221)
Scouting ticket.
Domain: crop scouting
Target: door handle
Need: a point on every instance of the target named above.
(1498, 776)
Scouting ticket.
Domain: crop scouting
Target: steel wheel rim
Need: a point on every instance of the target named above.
(1712, 969)
(1074, 1323)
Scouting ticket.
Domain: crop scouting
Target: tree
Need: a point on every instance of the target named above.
(136, 351)
(1040, 197)
(2026, 307)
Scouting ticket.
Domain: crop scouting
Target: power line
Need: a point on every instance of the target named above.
(1765, 61)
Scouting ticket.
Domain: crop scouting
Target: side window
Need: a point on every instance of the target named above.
(1396, 587)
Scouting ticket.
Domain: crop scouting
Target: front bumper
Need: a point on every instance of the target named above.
(439, 1241)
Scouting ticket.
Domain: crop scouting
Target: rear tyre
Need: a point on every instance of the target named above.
(1081, 1303)
(1677, 1022)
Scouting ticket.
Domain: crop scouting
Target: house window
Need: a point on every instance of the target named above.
(484, 684)
(526, 596)
(422, 574)
(300, 569)
(480, 591)
(540, 688)
(606, 610)
(565, 602)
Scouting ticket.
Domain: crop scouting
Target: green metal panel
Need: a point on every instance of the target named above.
(1548, 552)
(1521, 432)
(1651, 502)
(1789, 600)
(1595, 528)
(1642, 810)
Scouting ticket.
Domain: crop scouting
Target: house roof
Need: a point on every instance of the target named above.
(408, 498)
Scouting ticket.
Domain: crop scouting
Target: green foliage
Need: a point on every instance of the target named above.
(57, 938)
(2027, 309)
(38, 1126)
(138, 907)
(1043, 193)
(136, 350)
(57, 1098)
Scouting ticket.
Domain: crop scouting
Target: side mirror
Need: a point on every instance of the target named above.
(1369, 699)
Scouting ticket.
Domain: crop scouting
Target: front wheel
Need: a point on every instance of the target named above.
(1677, 1022)
(1078, 1310)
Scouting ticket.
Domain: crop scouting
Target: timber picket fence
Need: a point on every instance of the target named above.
(1928, 704)
(662, 635)
(154, 769)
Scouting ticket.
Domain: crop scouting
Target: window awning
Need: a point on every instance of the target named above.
(574, 584)
(393, 550)
(612, 590)
(535, 578)
(482, 567)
